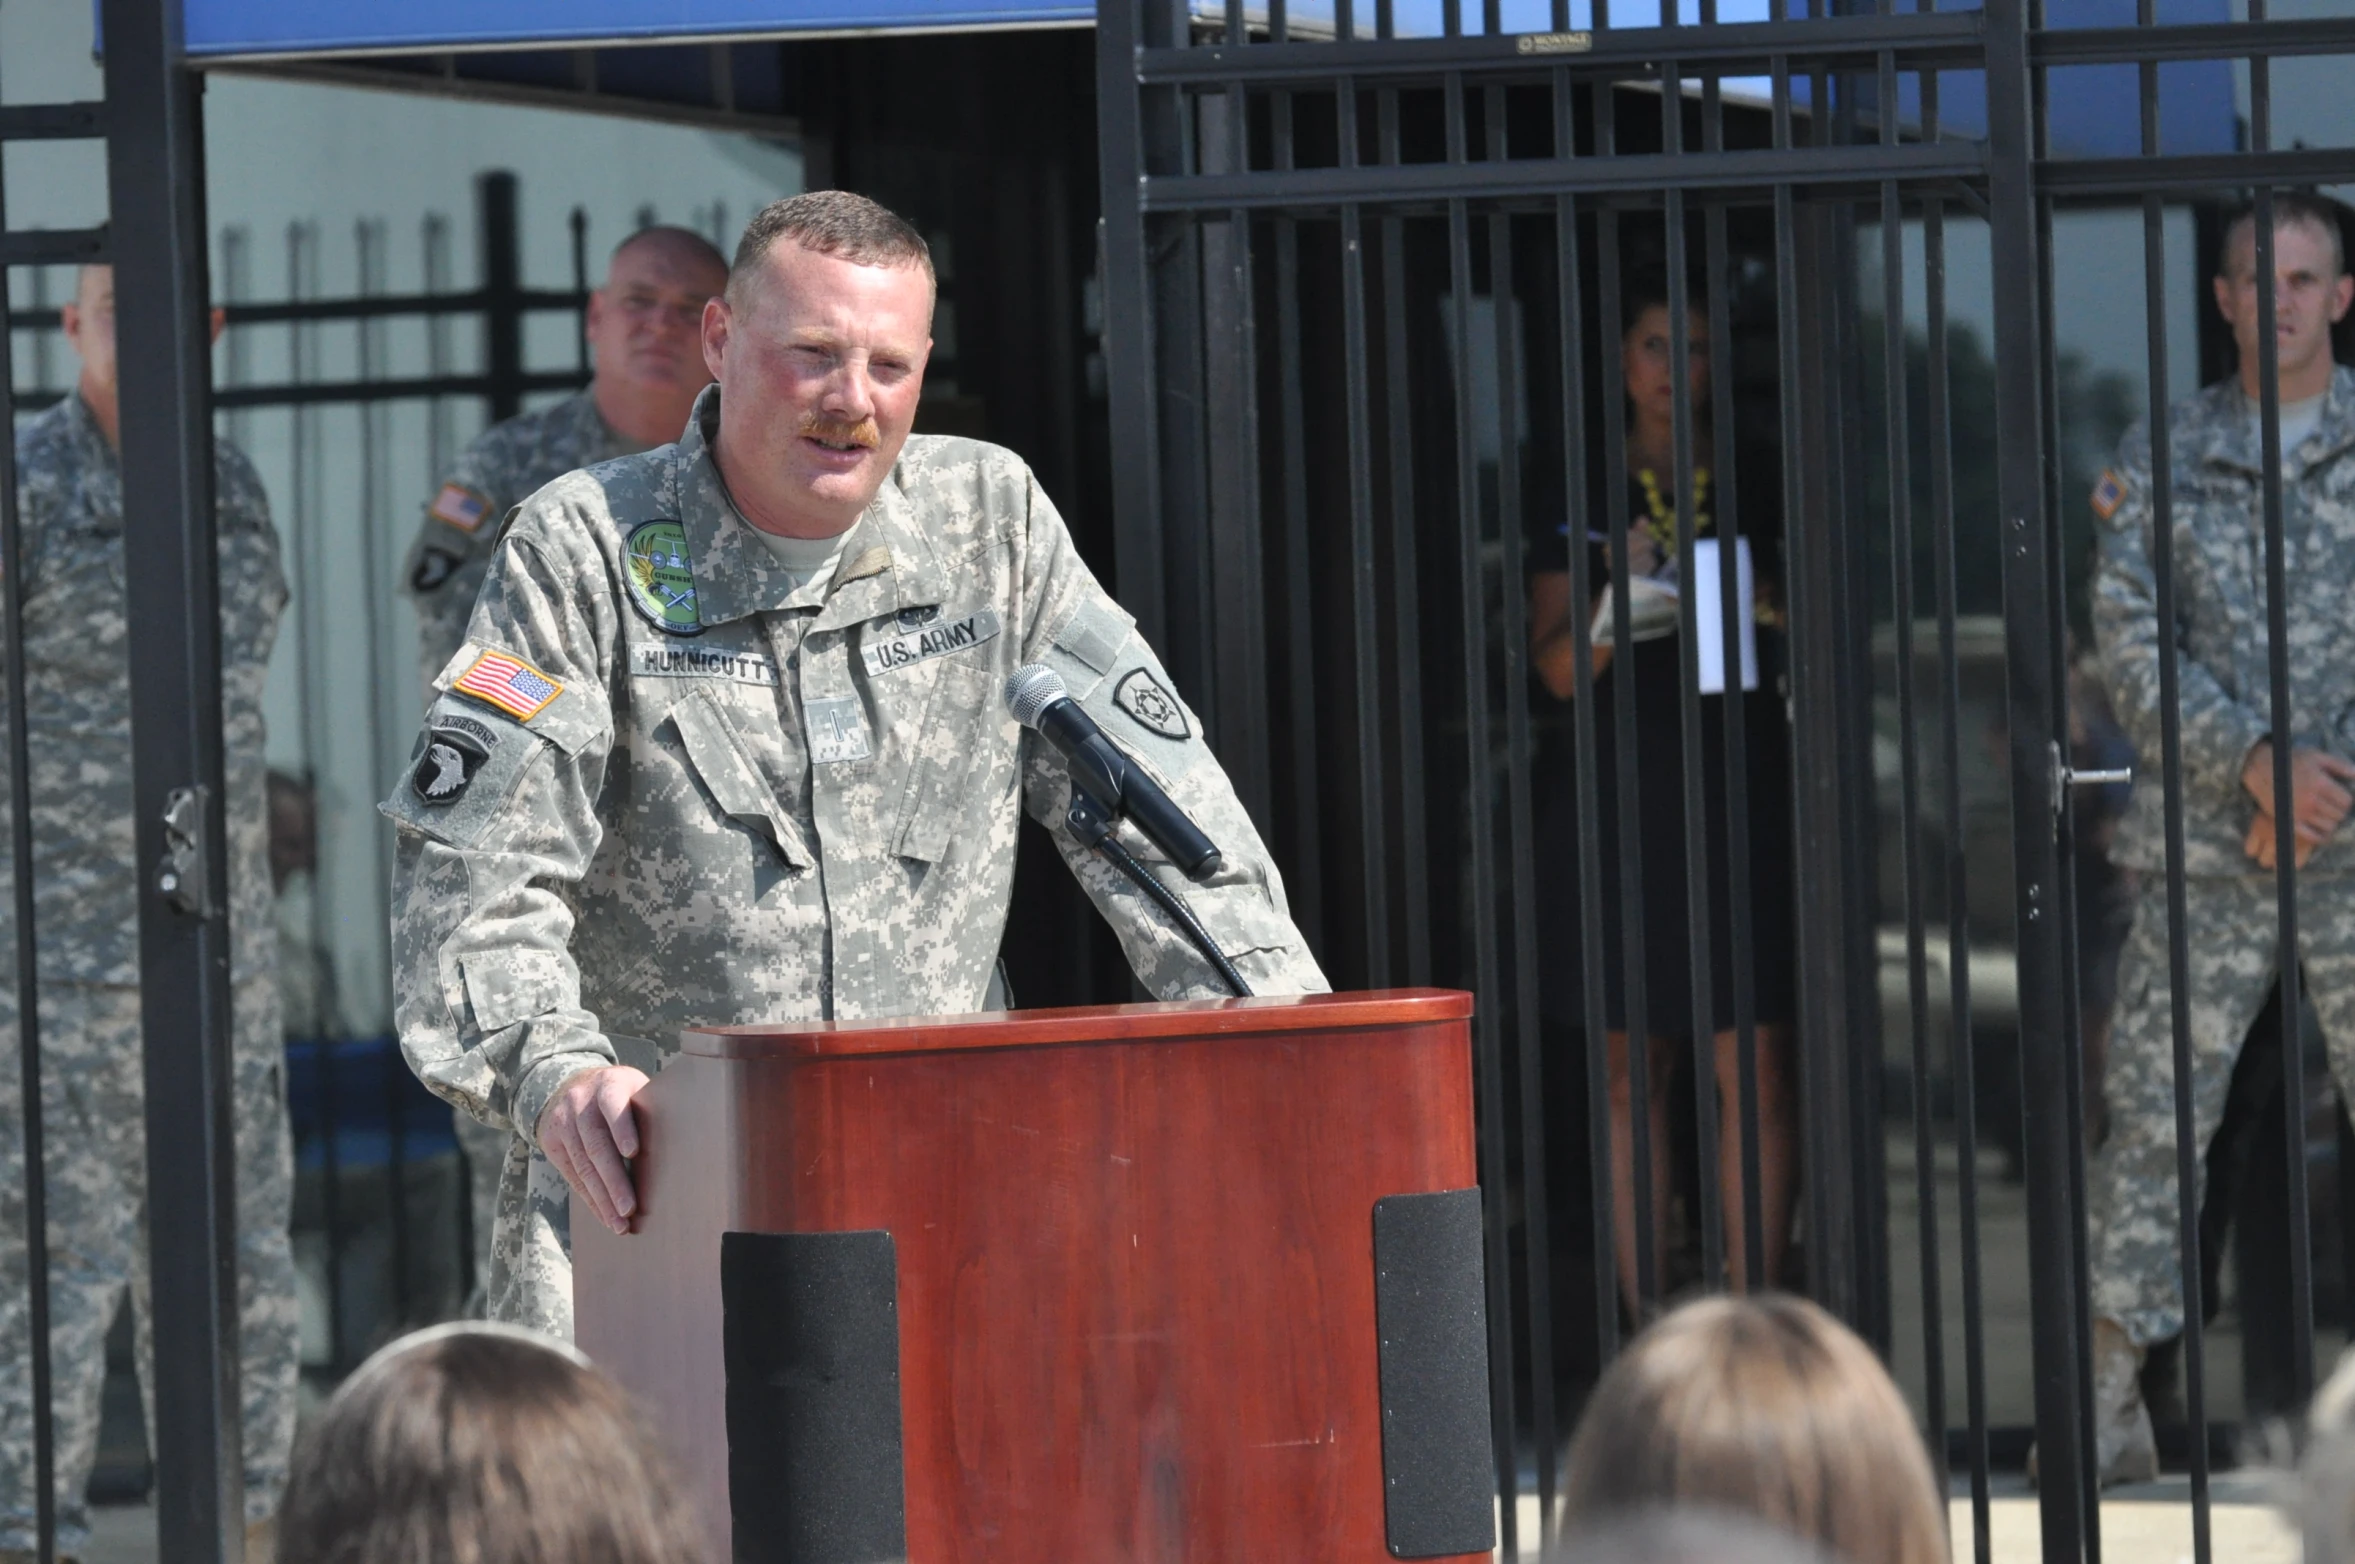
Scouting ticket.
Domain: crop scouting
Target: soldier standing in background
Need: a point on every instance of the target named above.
(2230, 835)
(644, 328)
(85, 897)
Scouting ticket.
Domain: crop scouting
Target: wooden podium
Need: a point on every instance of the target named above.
(1182, 1283)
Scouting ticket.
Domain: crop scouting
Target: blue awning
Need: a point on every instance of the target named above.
(233, 28)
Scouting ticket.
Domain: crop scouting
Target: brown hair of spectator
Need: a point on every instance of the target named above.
(1763, 1406)
(831, 222)
(481, 1444)
(2291, 209)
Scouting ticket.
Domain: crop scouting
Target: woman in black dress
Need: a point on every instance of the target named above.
(1650, 674)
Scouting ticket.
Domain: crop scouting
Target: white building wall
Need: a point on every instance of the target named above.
(323, 174)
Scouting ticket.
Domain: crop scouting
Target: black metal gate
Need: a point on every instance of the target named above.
(1367, 279)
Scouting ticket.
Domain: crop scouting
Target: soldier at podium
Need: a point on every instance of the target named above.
(726, 744)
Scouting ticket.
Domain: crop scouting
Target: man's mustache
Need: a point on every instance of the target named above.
(835, 432)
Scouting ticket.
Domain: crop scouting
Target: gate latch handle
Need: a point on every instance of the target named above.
(2065, 777)
(182, 878)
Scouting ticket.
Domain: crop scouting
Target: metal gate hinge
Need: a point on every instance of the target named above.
(183, 878)
(2065, 777)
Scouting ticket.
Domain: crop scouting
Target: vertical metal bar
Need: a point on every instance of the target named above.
(234, 347)
(155, 183)
(2062, 903)
(1123, 134)
(435, 236)
(502, 290)
(28, 985)
(2187, 1147)
(2277, 662)
(1741, 935)
(1578, 508)
(1628, 781)
(310, 633)
(1695, 781)
(1479, 762)
(1306, 874)
(369, 239)
(1365, 624)
(1897, 412)
(2028, 629)
(1962, 1065)
(1406, 570)
(578, 223)
(1521, 855)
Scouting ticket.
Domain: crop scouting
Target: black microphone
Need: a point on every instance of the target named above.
(1037, 697)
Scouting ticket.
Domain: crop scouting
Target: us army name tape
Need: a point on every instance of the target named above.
(914, 646)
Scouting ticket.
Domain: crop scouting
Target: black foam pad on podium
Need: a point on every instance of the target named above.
(811, 1341)
(1438, 1458)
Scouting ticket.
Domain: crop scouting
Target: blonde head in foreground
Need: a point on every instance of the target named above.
(1763, 1406)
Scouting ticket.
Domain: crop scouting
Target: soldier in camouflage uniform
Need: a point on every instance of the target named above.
(693, 767)
(645, 329)
(85, 899)
(2230, 835)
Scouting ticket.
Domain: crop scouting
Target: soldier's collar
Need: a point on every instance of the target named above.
(886, 564)
(2228, 434)
(87, 434)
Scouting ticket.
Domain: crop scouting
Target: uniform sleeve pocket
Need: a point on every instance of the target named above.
(734, 781)
(951, 762)
(504, 987)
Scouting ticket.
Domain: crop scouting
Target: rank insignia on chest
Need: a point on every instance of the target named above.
(460, 506)
(1152, 707)
(2108, 495)
(658, 578)
(449, 762)
(509, 683)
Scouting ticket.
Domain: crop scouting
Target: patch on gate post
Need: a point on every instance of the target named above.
(1141, 696)
(448, 764)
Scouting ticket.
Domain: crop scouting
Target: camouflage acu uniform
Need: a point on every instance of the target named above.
(85, 900)
(444, 572)
(2221, 641)
(664, 786)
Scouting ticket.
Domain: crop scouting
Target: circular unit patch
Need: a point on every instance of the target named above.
(660, 582)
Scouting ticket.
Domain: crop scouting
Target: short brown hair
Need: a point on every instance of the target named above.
(2291, 209)
(481, 1445)
(1765, 1406)
(832, 222)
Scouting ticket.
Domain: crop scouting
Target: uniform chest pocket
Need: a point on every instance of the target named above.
(734, 780)
(959, 750)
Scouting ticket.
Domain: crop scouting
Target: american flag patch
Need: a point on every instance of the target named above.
(512, 685)
(2108, 495)
(460, 506)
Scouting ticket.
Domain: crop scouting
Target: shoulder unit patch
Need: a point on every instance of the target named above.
(1141, 696)
(509, 683)
(452, 756)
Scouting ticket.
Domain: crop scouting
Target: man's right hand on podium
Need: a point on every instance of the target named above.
(588, 1134)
